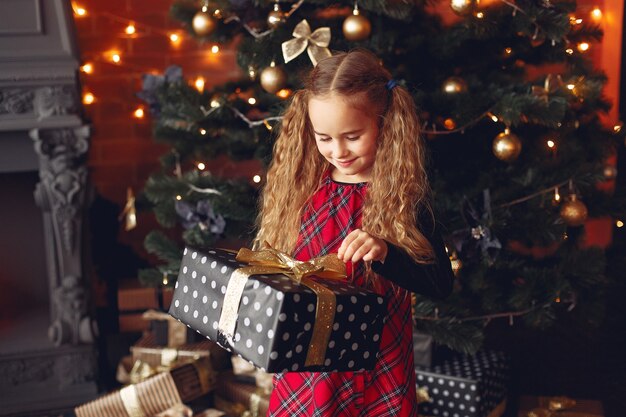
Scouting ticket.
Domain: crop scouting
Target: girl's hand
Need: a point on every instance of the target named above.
(360, 245)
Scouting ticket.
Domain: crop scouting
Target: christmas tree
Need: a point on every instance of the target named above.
(510, 105)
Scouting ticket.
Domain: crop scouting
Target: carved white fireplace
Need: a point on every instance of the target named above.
(47, 355)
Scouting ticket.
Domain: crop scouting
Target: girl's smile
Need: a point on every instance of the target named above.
(345, 136)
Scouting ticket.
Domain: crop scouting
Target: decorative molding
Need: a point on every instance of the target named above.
(61, 194)
(16, 101)
(54, 101)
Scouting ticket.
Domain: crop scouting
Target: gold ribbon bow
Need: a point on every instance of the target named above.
(271, 261)
(552, 408)
(316, 43)
(550, 85)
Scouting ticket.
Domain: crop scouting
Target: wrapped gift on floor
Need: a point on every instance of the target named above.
(530, 406)
(245, 372)
(151, 396)
(147, 350)
(168, 331)
(264, 312)
(255, 399)
(465, 385)
(133, 299)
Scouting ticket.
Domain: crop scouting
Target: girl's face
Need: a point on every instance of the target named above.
(345, 136)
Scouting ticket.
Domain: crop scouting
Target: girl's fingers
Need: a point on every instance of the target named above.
(341, 252)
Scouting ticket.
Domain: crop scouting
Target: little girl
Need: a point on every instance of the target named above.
(348, 176)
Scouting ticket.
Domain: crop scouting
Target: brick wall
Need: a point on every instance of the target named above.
(123, 153)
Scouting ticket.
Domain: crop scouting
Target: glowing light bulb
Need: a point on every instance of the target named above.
(480, 15)
(130, 29)
(570, 86)
(215, 49)
(87, 68)
(139, 113)
(252, 101)
(165, 280)
(88, 98)
(179, 197)
(493, 117)
(116, 58)
(215, 103)
(583, 46)
(174, 38)
(201, 166)
(617, 128)
(256, 179)
(596, 14)
(569, 51)
(199, 83)
(557, 196)
(508, 51)
(203, 132)
(283, 93)
(619, 223)
(551, 144)
(79, 11)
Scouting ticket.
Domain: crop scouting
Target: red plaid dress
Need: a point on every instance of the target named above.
(388, 390)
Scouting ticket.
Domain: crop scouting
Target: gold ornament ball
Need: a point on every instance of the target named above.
(275, 18)
(273, 79)
(203, 23)
(454, 85)
(573, 212)
(356, 27)
(507, 146)
(463, 7)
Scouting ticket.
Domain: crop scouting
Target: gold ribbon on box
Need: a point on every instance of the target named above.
(176, 331)
(553, 406)
(271, 261)
(316, 43)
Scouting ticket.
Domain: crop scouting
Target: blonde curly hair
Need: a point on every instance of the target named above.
(398, 189)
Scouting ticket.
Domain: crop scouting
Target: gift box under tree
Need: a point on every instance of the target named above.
(465, 385)
(153, 395)
(279, 323)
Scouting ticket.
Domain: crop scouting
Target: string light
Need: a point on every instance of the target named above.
(87, 68)
(203, 132)
(480, 15)
(508, 51)
(88, 98)
(130, 29)
(215, 49)
(596, 14)
(174, 38)
(79, 11)
(179, 197)
(557, 196)
(569, 51)
(550, 144)
(252, 101)
(139, 113)
(115, 57)
(283, 93)
(493, 117)
(571, 87)
(267, 125)
(165, 280)
(256, 179)
(583, 46)
(215, 103)
(575, 20)
(619, 223)
(617, 128)
(199, 83)
(201, 166)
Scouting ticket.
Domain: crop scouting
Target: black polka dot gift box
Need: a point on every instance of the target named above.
(465, 385)
(279, 321)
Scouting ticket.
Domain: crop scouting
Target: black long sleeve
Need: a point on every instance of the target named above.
(432, 280)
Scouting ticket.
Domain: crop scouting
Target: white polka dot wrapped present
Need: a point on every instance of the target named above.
(465, 385)
(275, 322)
